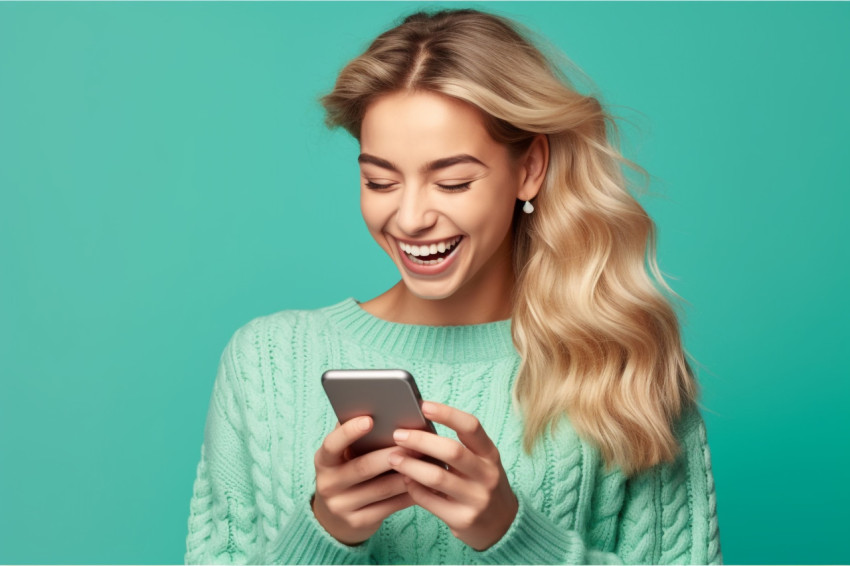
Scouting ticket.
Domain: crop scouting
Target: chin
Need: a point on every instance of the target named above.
(432, 296)
(427, 291)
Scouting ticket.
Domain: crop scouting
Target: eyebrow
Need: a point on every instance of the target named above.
(431, 166)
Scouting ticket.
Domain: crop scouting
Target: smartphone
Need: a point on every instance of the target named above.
(389, 396)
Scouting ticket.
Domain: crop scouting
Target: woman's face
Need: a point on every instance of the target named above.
(438, 193)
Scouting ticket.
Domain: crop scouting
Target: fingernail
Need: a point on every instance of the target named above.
(363, 424)
(427, 407)
(401, 434)
(395, 459)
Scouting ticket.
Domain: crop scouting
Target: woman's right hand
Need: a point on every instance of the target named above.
(352, 498)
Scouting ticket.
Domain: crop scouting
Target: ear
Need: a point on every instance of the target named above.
(533, 167)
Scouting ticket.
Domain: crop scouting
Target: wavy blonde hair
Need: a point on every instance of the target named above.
(599, 341)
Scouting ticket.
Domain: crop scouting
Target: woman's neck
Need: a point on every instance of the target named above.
(471, 304)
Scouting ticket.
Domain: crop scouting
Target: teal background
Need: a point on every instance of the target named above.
(165, 177)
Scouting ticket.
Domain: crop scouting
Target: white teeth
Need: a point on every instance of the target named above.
(414, 253)
(418, 251)
(428, 262)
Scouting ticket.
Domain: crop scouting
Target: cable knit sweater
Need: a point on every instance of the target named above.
(269, 414)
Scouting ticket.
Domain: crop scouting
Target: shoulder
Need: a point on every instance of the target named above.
(690, 430)
(689, 476)
(268, 350)
(279, 328)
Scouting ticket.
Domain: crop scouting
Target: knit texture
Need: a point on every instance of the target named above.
(268, 415)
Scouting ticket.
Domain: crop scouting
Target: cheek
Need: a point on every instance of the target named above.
(490, 218)
(376, 213)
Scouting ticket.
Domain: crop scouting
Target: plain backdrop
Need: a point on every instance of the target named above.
(165, 177)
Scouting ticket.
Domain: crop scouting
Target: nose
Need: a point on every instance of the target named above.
(415, 214)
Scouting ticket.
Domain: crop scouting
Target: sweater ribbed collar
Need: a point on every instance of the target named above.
(467, 343)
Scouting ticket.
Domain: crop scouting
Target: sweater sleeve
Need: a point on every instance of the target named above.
(225, 522)
(668, 516)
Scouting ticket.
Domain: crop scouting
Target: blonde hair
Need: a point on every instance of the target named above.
(600, 343)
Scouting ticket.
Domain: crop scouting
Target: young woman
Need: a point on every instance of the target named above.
(547, 356)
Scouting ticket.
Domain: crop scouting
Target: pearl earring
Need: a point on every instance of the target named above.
(528, 208)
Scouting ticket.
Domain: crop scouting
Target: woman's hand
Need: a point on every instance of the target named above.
(351, 501)
(473, 497)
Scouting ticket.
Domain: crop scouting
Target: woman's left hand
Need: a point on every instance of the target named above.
(473, 497)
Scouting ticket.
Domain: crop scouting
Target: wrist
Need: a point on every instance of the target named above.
(331, 524)
(503, 526)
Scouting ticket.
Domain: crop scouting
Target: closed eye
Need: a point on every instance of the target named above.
(455, 187)
(462, 186)
(377, 186)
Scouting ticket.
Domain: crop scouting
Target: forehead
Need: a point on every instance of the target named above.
(423, 125)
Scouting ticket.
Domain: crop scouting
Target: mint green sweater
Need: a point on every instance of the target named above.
(268, 415)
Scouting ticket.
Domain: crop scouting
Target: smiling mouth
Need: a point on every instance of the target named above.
(432, 254)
